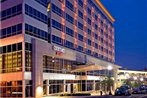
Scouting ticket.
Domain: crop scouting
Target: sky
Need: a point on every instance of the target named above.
(130, 32)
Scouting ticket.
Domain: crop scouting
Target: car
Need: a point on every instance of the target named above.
(123, 90)
(136, 91)
(143, 89)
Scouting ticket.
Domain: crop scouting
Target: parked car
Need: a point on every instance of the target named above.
(136, 91)
(123, 90)
(143, 89)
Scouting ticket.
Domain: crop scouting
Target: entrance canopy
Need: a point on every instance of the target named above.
(84, 68)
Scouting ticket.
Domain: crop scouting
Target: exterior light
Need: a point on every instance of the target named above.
(127, 75)
(141, 79)
(135, 78)
(39, 90)
(109, 67)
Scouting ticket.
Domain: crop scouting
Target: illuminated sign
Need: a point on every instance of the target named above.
(59, 49)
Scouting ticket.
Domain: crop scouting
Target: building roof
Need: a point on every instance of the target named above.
(105, 10)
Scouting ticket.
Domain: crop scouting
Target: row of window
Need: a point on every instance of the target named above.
(11, 89)
(10, 31)
(11, 48)
(80, 3)
(33, 31)
(1, 1)
(69, 5)
(56, 65)
(35, 14)
(69, 44)
(69, 31)
(70, 19)
(11, 12)
(42, 2)
(11, 62)
(57, 10)
(97, 10)
(28, 56)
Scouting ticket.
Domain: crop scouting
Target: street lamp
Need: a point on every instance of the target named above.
(141, 79)
(135, 78)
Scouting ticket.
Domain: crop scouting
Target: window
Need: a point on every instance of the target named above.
(96, 36)
(69, 18)
(10, 31)
(80, 14)
(80, 26)
(96, 54)
(57, 10)
(88, 51)
(96, 45)
(80, 37)
(69, 31)
(33, 31)
(56, 40)
(89, 11)
(96, 17)
(69, 44)
(89, 42)
(69, 5)
(57, 25)
(11, 12)
(35, 14)
(15, 87)
(80, 48)
(11, 58)
(42, 2)
(96, 27)
(80, 2)
(1, 1)
(89, 21)
(89, 31)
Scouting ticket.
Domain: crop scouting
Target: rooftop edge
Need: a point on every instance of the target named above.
(105, 10)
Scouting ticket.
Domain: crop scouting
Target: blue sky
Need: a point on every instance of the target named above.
(130, 31)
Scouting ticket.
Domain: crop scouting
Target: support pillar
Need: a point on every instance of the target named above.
(64, 86)
(94, 85)
(23, 89)
(47, 87)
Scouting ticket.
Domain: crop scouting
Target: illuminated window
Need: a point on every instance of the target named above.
(49, 7)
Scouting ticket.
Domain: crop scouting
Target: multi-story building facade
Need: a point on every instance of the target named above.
(59, 45)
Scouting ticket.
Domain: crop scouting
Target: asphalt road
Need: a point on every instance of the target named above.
(132, 96)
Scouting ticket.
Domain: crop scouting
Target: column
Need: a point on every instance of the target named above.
(115, 78)
(93, 85)
(64, 86)
(37, 69)
(23, 89)
(47, 87)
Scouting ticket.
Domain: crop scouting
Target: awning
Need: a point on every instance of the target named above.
(84, 68)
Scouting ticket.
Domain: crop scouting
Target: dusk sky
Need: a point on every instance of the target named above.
(130, 32)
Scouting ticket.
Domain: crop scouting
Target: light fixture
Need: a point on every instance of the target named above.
(109, 67)
(39, 90)
(135, 78)
(141, 79)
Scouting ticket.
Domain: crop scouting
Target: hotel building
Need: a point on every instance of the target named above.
(60, 46)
